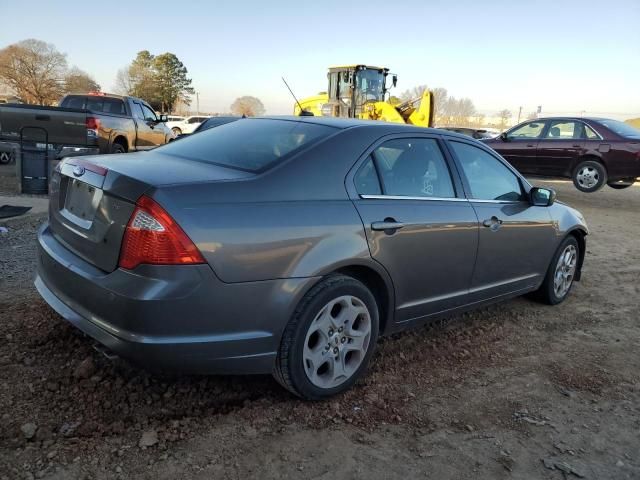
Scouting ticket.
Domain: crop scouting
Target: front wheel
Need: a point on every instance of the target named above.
(561, 273)
(329, 341)
(176, 131)
(621, 184)
(589, 176)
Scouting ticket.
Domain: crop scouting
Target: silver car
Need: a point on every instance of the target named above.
(289, 245)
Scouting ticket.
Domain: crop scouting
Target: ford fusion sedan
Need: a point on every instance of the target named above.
(591, 151)
(289, 245)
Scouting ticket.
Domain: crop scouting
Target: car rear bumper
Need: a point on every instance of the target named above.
(179, 318)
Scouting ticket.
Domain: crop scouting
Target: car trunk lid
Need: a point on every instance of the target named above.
(92, 198)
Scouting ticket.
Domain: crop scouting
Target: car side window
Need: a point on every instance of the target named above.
(137, 111)
(488, 178)
(149, 114)
(563, 130)
(366, 179)
(194, 120)
(527, 131)
(113, 105)
(589, 134)
(413, 167)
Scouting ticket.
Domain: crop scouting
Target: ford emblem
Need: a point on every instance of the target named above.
(78, 170)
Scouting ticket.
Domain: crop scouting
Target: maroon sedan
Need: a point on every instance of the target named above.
(590, 151)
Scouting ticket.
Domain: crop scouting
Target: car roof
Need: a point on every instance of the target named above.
(344, 123)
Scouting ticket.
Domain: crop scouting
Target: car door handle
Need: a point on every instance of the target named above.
(493, 223)
(388, 225)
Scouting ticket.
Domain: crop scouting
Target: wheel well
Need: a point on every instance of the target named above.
(121, 141)
(579, 235)
(376, 284)
(588, 158)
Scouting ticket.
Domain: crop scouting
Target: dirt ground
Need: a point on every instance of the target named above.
(518, 390)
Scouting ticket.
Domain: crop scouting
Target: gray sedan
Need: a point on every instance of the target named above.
(289, 245)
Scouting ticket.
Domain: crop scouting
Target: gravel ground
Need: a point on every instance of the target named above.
(517, 390)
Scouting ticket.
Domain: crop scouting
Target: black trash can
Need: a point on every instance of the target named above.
(34, 160)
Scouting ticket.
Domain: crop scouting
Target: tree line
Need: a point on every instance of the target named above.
(37, 73)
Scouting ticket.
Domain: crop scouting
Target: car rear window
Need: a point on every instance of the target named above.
(73, 101)
(621, 128)
(252, 145)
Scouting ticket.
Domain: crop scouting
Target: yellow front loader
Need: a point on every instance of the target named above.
(360, 91)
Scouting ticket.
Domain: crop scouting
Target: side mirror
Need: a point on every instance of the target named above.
(542, 197)
(394, 80)
(503, 137)
(163, 118)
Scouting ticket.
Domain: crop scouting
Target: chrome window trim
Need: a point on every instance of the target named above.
(400, 197)
(496, 201)
(436, 199)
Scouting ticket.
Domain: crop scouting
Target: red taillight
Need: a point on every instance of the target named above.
(153, 237)
(93, 123)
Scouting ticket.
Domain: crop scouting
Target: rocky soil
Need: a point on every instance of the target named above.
(517, 390)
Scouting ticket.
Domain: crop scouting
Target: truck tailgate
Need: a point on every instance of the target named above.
(63, 126)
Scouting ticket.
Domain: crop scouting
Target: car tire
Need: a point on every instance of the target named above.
(176, 131)
(118, 148)
(561, 273)
(589, 176)
(622, 184)
(328, 342)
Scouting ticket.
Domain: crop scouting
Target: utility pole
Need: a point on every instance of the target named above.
(519, 114)
(198, 103)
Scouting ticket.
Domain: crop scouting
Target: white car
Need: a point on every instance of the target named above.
(186, 125)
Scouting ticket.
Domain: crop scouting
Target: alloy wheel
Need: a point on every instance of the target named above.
(337, 341)
(565, 271)
(588, 177)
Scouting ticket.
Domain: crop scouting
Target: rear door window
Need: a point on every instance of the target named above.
(563, 130)
(413, 167)
(114, 106)
(252, 145)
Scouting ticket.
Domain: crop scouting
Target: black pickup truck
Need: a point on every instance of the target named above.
(85, 124)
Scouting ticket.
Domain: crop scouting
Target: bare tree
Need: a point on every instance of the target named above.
(504, 116)
(124, 84)
(78, 81)
(34, 70)
(247, 105)
(413, 93)
(440, 96)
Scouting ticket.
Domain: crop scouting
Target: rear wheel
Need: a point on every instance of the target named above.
(589, 176)
(621, 184)
(118, 148)
(561, 273)
(329, 340)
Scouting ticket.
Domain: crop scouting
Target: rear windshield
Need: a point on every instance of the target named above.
(253, 145)
(621, 128)
(95, 103)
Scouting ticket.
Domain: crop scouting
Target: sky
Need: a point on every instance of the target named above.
(568, 56)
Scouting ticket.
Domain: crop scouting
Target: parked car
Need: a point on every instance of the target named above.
(187, 125)
(84, 125)
(591, 151)
(211, 122)
(289, 245)
(477, 133)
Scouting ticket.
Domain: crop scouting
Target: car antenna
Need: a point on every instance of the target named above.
(303, 112)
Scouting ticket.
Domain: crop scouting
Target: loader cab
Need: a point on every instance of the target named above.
(351, 87)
